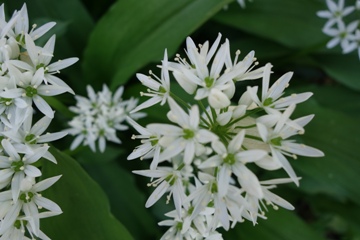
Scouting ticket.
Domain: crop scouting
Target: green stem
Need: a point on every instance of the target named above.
(182, 102)
(207, 114)
(254, 137)
(59, 106)
(256, 110)
(244, 127)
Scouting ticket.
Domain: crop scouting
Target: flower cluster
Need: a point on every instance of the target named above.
(99, 116)
(208, 156)
(26, 75)
(345, 34)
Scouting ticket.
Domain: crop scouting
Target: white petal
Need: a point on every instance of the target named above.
(301, 149)
(61, 64)
(43, 106)
(47, 204)
(32, 171)
(45, 184)
(157, 194)
(224, 180)
(248, 180)
(285, 164)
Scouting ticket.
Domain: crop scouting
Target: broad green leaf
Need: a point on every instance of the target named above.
(335, 97)
(134, 33)
(126, 200)
(345, 216)
(292, 23)
(280, 225)
(342, 68)
(338, 136)
(86, 212)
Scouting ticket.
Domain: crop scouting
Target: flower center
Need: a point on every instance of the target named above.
(209, 82)
(30, 91)
(268, 102)
(276, 141)
(162, 89)
(18, 166)
(154, 141)
(26, 197)
(229, 159)
(170, 179)
(17, 223)
(41, 65)
(188, 134)
(214, 188)
(20, 39)
(6, 101)
(31, 138)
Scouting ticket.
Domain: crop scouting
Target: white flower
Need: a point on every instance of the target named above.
(168, 179)
(22, 27)
(279, 146)
(30, 89)
(158, 88)
(335, 11)
(355, 44)
(271, 98)
(99, 116)
(150, 147)
(29, 202)
(187, 136)
(196, 73)
(233, 160)
(258, 205)
(342, 34)
(32, 135)
(15, 166)
(40, 58)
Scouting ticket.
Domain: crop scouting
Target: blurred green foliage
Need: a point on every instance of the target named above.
(116, 39)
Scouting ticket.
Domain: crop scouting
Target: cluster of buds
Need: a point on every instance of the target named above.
(26, 75)
(347, 34)
(207, 157)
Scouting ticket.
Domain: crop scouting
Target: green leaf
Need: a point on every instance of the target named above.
(134, 33)
(280, 225)
(292, 23)
(127, 201)
(343, 68)
(345, 216)
(336, 97)
(338, 136)
(86, 212)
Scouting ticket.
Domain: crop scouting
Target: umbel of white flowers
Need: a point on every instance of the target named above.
(342, 33)
(99, 116)
(26, 75)
(201, 158)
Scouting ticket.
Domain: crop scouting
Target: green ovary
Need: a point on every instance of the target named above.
(209, 82)
(30, 139)
(17, 166)
(268, 102)
(276, 141)
(188, 134)
(229, 159)
(30, 91)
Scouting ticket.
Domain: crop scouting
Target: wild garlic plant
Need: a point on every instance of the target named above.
(203, 159)
(27, 73)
